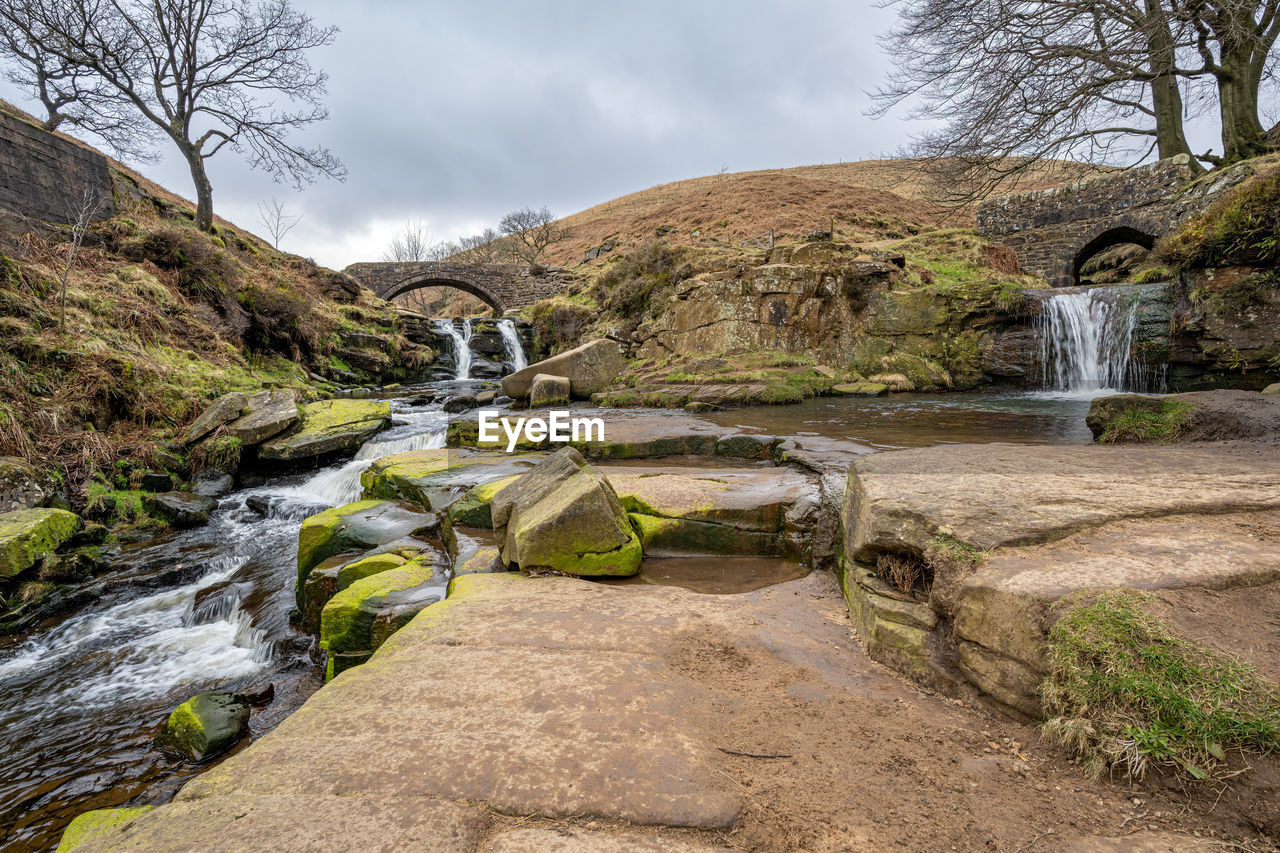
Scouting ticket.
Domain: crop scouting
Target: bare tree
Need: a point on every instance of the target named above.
(276, 221)
(209, 74)
(410, 243)
(80, 219)
(531, 232)
(487, 247)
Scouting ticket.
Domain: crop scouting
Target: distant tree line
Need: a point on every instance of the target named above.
(207, 75)
(1008, 83)
(522, 236)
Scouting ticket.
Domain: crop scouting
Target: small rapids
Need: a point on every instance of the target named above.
(81, 700)
(511, 340)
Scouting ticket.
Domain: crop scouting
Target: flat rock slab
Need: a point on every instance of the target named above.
(998, 494)
(754, 498)
(268, 413)
(329, 426)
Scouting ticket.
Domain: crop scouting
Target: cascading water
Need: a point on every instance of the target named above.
(461, 338)
(204, 608)
(1086, 344)
(511, 340)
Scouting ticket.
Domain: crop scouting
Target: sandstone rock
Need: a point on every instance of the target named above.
(182, 510)
(90, 826)
(1197, 416)
(224, 410)
(747, 446)
(21, 486)
(486, 560)
(430, 478)
(548, 390)
(589, 368)
(325, 581)
(268, 413)
(860, 389)
(359, 618)
(1273, 388)
(474, 508)
(205, 726)
(356, 526)
(921, 373)
(26, 535)
(564, 516)
(329, 426)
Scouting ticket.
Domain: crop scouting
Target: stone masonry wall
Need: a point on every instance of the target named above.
(504, 286)
(43, 176)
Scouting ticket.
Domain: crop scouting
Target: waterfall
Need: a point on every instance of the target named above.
(1086, 340)
(461, 345)
(511, 340)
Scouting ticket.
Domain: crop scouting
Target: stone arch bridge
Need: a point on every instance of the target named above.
(504, 287)
(1055, 231)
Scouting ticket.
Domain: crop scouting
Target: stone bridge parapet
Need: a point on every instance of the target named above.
(504, 287)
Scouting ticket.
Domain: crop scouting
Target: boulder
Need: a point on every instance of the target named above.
(156, 482)
(747, 446)
(924, 375)
(590, 368)
(564, 516)
(90, 826)
(26, 535)
(484, 560)
(359, 618)
(182, 510)
(1273, 388)
(212, 484)
(267, 413)
(21, 486)
(359, 526)
(432, 478)
(329, 426)
(224, 410)
(325, 581)
(548, 390)
(205, 726)
(860, 389)
(474, 509)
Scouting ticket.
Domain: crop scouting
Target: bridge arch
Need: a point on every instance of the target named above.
(429, 279)
(1106, 237)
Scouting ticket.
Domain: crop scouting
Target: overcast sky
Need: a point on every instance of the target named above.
(456, 112)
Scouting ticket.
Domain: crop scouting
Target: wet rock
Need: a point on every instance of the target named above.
(746, 446)
(73, 566)
(486, 398)
(860, 389)
(21, 486)
(26, 535)
(485, 560)
(262, 694)
(329, 426)
(205, 726)
(154, 482)
(89, 535)
(590, 368)
(474, 509)
(99, 823)
(212, 484)
(182, 510)
(259, 504)
(924, 375)
(224, 410)
(268, 413)
(358, 619)
(325, 581)
(548, 390)
(360, 526)
(461, 403)
(565, 516)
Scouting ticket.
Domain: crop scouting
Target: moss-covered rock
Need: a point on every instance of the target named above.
(659, 535)
(205, 726)
(325, 581)
(924, 375)
(26, 535)
(225, 409)
(474, 509)
(21, 486)
(329, 426)
(564, 516)
(98, 824)
(182, 510)
(360, 526)
(359, 618)
(267, 413)
(548, 390)
(860, 389)
(485, 560)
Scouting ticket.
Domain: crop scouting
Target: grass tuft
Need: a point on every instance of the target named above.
(1124, 693)
(1132, 425)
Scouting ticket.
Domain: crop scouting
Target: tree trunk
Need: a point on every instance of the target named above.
(1242, 132)
(1166, 96)
(204, 191)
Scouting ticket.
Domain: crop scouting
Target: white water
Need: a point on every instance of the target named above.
(154, 644)
(461, 338)
(511, 339)
(1086, 341)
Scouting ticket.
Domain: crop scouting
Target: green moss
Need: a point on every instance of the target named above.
(1151, 426)
(26, 535)
(347, 622)
(1124, 691)
(1242, 228)
(98, 824)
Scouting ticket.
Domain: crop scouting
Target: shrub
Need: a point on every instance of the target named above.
(1242, 228)
(628, 287)
(559, 324)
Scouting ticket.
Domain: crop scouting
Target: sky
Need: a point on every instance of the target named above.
(454, 113)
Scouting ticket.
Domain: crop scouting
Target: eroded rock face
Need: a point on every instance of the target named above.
(205, 726)
(267, 413)
(329, 426)
(564, 516)
(26, 535)
(589, 368)
(21, 487)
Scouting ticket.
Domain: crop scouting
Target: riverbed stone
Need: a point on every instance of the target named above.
(430, 478)
(98, 824)
(548, 390)
(589, 368)
(26, 535)
(224, 410)
(747, 446)
(924, 375)
(1273, 388)
(484, 560)
(564, 516)
(358, 619)
(182, 510)
(267, 413)
(859, 389)
(474, 509)
(213, 483)
(21, 486)
(362, 525)
(334, 575)
(327, 427)
(205, 726)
